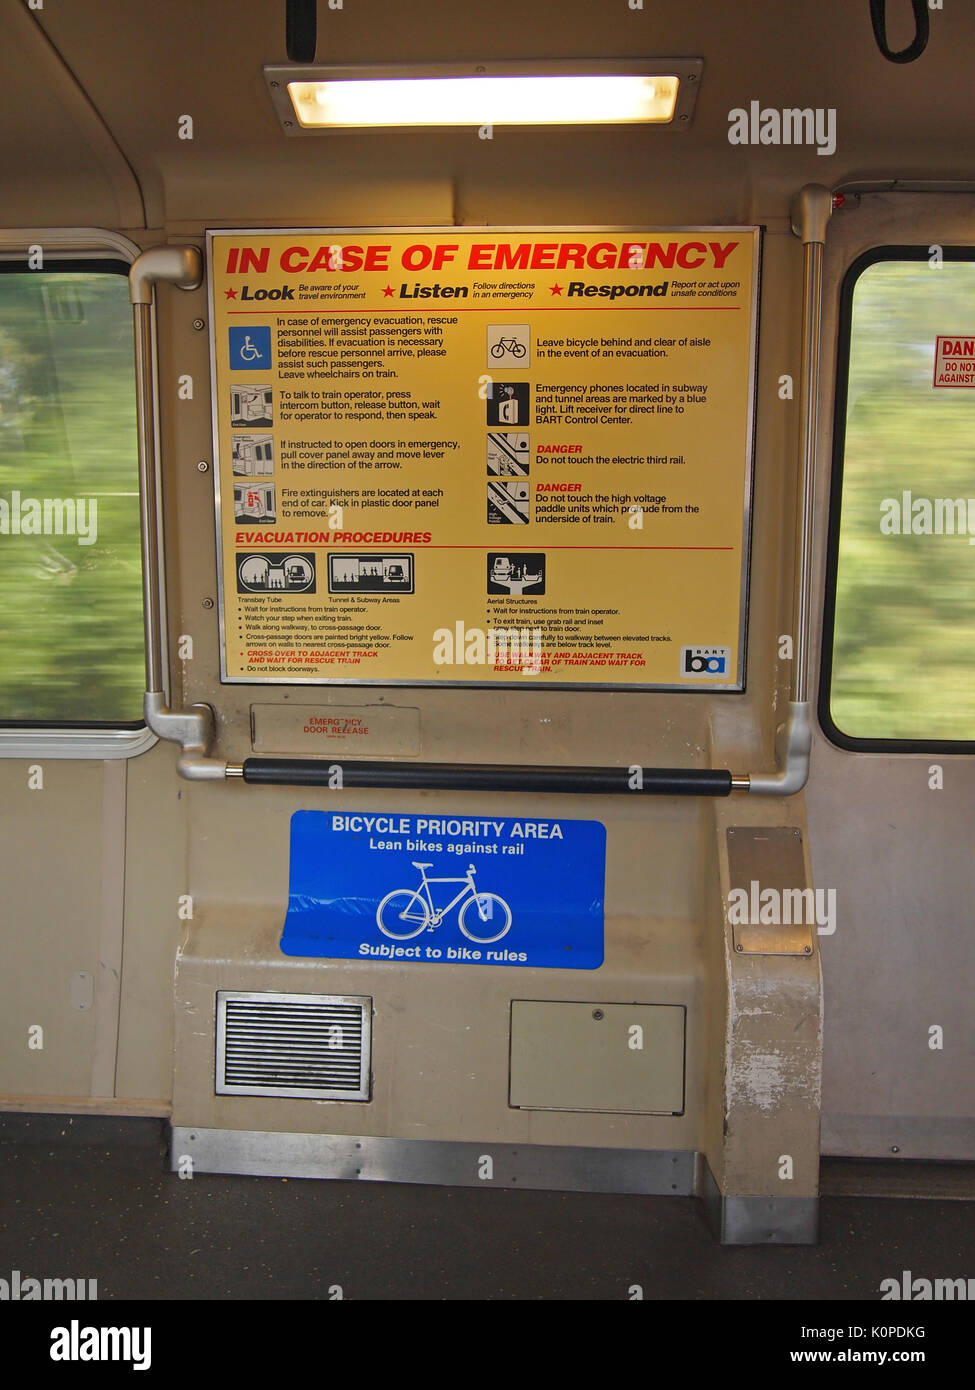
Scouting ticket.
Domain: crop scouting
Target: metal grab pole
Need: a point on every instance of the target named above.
(813, 231)
(191, 728)
(811, 211)
(145, 425)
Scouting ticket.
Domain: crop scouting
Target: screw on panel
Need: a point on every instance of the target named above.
(739, 948)
(208, 603)
(203, 466)
(598, 1013)
(199, 324)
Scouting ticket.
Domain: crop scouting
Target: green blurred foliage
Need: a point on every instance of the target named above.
(904, 647)
(71, 635)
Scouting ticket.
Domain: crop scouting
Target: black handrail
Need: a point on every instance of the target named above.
(481, 777)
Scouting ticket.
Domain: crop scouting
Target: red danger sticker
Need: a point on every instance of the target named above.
(954, 361)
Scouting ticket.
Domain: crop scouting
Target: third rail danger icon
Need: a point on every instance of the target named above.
(507, 454)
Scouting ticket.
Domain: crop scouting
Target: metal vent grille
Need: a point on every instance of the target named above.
(315, 1045)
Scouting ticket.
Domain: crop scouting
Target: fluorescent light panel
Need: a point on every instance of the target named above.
(475, 101)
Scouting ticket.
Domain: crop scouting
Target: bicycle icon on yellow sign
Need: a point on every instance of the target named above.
(511, 345)
(406, 912)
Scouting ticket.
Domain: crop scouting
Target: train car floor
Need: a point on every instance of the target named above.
(92, 1198)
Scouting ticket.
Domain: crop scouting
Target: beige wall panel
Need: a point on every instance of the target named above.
(155, 877)
(51, 858)
(302, 187)
(440, 1041)
(897, 854)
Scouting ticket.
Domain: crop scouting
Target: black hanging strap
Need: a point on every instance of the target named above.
(301, 30)
(878, 16)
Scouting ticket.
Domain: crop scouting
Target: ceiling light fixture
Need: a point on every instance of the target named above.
(609, 92)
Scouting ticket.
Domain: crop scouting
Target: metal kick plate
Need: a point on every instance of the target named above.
(761, 858)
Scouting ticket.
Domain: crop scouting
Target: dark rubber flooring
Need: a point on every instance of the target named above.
(92, 1198)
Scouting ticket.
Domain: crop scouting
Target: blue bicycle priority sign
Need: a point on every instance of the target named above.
(446, 890)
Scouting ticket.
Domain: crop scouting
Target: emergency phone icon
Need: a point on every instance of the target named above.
(250, 348)
(508, 403)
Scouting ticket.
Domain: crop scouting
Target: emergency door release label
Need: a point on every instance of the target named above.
(446, 890)
(489, 457)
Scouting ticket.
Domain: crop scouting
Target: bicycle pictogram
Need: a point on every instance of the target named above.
(406, 912)
(511, 345)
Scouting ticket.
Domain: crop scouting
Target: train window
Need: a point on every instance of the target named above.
(899, 629)
(72, 650)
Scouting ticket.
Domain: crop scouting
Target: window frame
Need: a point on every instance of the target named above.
(84, 738)
(852, 743)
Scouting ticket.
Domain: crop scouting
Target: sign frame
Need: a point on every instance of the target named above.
(755, 230)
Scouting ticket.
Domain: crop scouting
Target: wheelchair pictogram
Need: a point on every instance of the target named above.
(250, 347)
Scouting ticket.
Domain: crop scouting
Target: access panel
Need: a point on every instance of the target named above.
(622, 1058)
